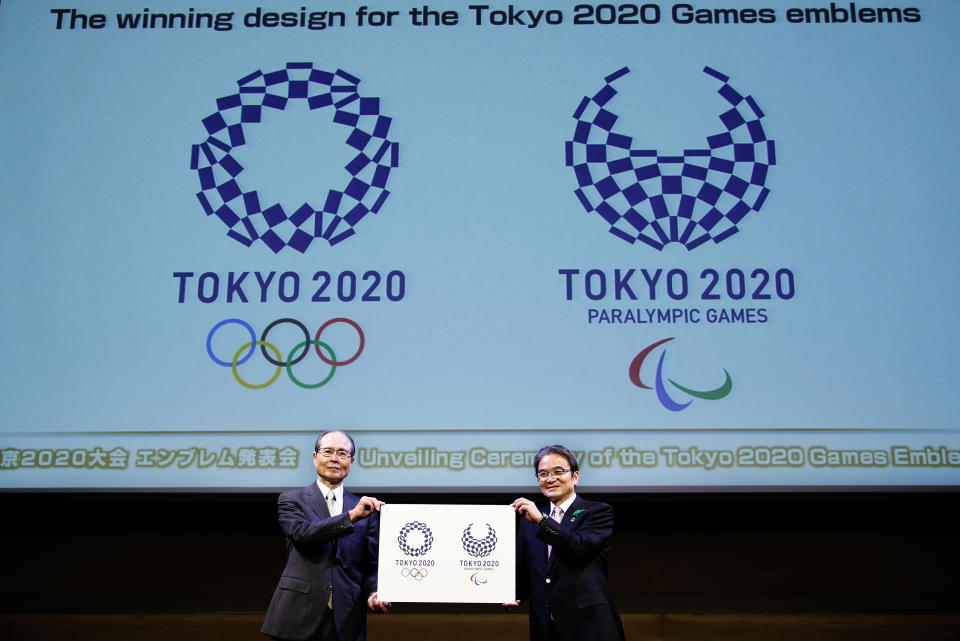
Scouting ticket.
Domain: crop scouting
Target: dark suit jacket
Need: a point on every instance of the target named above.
(572, 586)
(324, 553)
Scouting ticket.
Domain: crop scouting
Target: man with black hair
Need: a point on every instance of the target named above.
(562, 556)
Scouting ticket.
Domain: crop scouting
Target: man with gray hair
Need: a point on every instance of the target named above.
(330, 579)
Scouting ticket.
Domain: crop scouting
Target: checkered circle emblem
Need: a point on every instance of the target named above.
(225, 192)
(405, 531)
(655, 198)
(479, 547)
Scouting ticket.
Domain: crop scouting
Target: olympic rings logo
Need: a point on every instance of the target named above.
(414, 574)
(408, 549)
(274, 357)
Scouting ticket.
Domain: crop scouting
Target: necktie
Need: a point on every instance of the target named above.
(332, 504)
(557, 515)
(332, 508)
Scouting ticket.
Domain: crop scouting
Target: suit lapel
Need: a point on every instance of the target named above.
(568, 522)
(350, 500)
(551, 560)
(317, 502)
(570, 517)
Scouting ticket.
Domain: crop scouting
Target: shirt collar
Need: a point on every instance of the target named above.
(337, 491)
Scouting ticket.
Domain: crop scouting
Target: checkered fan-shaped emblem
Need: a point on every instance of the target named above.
(479, 547)
(411, 550)
(659, 198)
(226, 194)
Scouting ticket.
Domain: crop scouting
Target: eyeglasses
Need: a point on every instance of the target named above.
(342, 455)
(556, 472)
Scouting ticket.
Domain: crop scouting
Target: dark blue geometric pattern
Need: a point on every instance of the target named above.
(241, 210)
(419, 550)
(479, 547)
(690, 198)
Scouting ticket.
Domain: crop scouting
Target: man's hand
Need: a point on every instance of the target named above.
(527, 509)
(513, 605)
(376, 605)
(367, 506)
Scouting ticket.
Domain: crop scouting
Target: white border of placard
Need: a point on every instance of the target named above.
(447, 553)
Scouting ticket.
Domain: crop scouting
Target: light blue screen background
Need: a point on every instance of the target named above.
(484, 353)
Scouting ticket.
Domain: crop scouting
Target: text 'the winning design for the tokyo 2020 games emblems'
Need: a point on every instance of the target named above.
(226, 194)
(657, 198)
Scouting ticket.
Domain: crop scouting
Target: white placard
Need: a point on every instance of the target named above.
(447, 553)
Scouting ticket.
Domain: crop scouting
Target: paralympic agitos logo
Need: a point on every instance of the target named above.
(687, 197)
(226, 193)
(663, 395)
(476, 579)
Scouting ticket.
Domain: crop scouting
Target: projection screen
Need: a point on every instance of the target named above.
(704, 245)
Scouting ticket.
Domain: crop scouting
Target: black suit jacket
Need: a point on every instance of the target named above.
(324, 553)
(572, 586)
